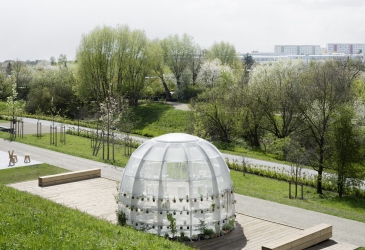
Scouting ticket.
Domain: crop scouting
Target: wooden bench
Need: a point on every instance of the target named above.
(302, 239)
(49, 180)
(5, 129)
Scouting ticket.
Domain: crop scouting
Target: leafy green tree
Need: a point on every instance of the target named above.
(346, 142)
(326, 87)
(23, 75)
(52, 60)
(57, 84)
(276, 88)
(159, 66)
(178, 53)
(15, 107)
(113, 57)
(224, 51)
(196, 63)
(62, 60)
(216, 111)
(96, 66)
(138, 64)
(248, 61)
(5, 86)
(9, 69)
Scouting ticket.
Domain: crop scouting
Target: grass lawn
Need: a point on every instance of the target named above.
(157, 119)
(32, 172)
(30, 222)
(348, 207)
(75, 145)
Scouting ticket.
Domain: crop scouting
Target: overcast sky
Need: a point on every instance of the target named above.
(39, 29)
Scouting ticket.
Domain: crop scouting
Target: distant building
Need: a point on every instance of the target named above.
(346, 48)
(297, 49)
(267, 57)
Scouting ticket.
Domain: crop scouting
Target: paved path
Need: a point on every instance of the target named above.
(344, 230)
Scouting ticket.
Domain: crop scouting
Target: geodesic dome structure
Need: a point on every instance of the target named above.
(177, 174)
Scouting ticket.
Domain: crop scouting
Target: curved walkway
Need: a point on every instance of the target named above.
(344, 230)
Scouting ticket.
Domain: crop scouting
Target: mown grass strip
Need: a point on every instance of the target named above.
(26, 173)
(75, 145)
(348, 207)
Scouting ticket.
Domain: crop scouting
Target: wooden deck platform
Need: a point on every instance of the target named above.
(96, 197)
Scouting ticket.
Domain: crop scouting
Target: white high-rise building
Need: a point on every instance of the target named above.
(298, 49)
(346, 48)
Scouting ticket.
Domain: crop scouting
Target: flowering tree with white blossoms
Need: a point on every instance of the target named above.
(211, 71)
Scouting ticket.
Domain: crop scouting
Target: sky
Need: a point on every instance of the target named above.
(39, 29)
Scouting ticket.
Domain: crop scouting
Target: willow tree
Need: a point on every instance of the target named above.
(178, 53)
(224, 51)
(113, 58)
(96, 64)
(138, 64)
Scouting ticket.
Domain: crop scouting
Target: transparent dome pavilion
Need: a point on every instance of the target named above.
(177, 174)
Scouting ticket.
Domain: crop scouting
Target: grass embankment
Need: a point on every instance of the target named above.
(31, 222)
(348, 207)
(156, 119)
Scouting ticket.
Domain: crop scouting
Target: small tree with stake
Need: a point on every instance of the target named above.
(15, 107)
(296, 155)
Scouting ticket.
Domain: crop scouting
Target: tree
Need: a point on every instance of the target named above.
(196, 63)
(9, 69)
(5, 86)
(96, 68)
(15, 107)
(118, 59)
(216, 111)
(276, 88)
(57, 83)
(295, 154)
(210, 72)
(23, 76)
(52, 60)
(326, 86)
(110, 116)
(346, 146)
(248, 60)
(250, 117)
(159, 66)
(62, 60)
(224, 51)
(138, 64)
(178, 53)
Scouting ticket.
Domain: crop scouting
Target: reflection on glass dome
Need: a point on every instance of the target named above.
(181, 175)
